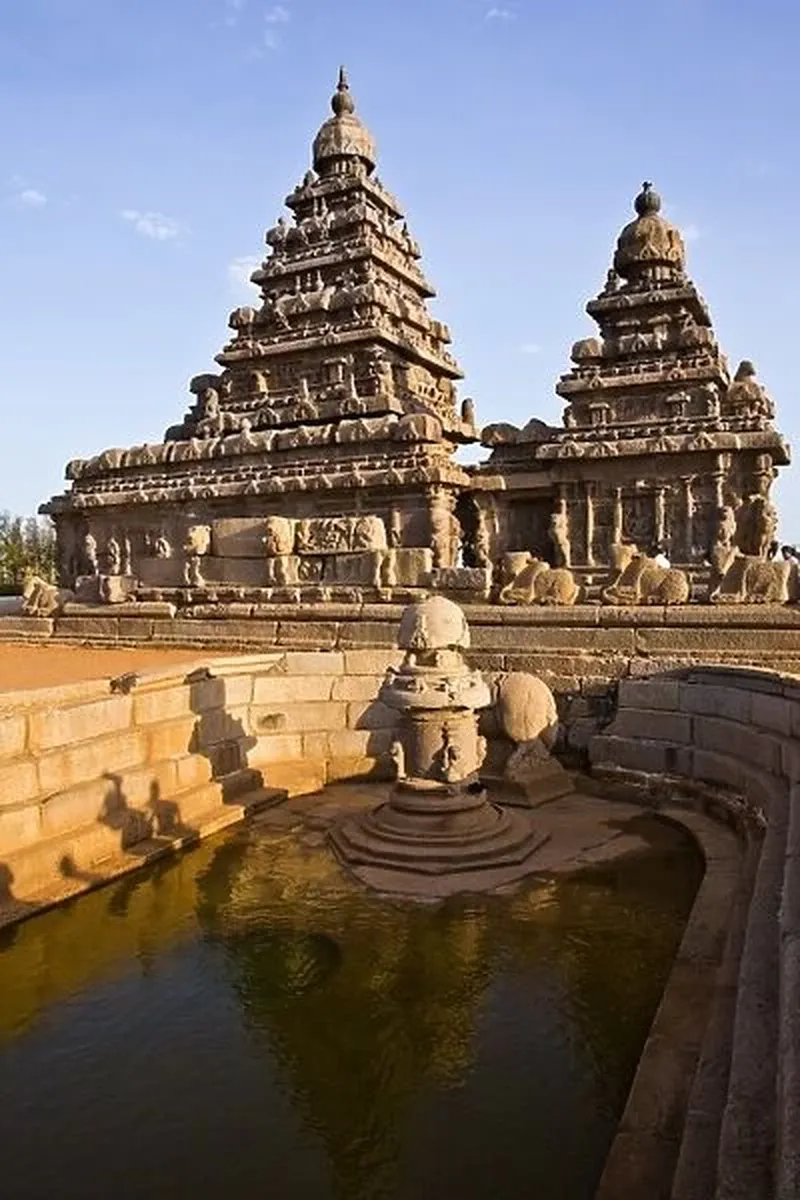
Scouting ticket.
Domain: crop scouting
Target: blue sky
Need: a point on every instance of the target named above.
(147, 145)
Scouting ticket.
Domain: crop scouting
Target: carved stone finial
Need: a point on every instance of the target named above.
(343, 136)
(648, 201)
(342, 100)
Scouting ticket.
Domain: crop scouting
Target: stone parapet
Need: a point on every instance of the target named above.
(732, 735)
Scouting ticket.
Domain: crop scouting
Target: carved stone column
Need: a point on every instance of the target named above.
(659, 521)
(687, 541)
(616, 533)
(590, 525)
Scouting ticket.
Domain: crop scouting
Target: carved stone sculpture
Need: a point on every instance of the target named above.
(559, 535)
(113, 556)
(90, 554)
(198, 540)
(278, 536)
(529, 580)
(527, 715)
(438, 817)
(749, 579)
(641, 580)
(757, 527)
(445, 531)
(42, 599)
(746, 394)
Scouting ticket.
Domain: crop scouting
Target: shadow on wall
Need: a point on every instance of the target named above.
(220, 737)
(141, 825)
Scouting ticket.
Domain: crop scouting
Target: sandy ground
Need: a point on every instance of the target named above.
(24, 666)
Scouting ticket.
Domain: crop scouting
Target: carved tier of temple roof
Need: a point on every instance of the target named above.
(654, 378)
(337, 374)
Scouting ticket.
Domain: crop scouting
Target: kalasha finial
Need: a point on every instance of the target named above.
(342, 100)
(648, 201)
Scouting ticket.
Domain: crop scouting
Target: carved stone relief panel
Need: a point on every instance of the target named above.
(638, 518)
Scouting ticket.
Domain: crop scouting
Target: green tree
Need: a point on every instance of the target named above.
(27, 547)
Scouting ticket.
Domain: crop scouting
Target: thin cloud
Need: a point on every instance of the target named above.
(30, 198)
(152, 224)
(239, 272)
(691, 233)
(233, 12)
(273, 19)
(530, 348)
(499, 14)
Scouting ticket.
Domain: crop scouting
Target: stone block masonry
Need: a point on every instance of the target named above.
(96, 777)
(729, 737)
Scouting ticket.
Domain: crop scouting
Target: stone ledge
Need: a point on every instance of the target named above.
(645, 1152)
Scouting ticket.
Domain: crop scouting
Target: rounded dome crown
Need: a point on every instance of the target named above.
(343, 135)
(434, 624)
(649, 240)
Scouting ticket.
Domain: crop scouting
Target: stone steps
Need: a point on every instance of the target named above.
(80, 856)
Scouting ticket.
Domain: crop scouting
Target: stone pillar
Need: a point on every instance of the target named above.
(590, 525)
(616, 533)
(660, 515)
(688, 517)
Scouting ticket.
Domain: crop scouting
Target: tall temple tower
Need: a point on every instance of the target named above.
(659, 444)
(319, 459)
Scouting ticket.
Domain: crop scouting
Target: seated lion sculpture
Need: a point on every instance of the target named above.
(749, 579)
(641, 580)
(529, 580)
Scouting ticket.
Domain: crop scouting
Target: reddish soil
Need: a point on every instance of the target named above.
(32, 666)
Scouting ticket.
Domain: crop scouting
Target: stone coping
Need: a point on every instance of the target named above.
(745, 616)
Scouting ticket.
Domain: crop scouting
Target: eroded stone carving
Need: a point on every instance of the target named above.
(530, 580)
(42, 599)
(749, 579)
(642, 580)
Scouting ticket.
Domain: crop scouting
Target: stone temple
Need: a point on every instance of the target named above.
(317, 464)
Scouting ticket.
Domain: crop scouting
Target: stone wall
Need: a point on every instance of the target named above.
(92, 773)
(731, 738)
(581, 652)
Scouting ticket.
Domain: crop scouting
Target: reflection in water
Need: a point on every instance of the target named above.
(247, 1022)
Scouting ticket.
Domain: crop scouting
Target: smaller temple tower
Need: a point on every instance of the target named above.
(658, 442)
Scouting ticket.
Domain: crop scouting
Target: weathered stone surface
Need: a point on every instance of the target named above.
(526, 708)
(289, 689)
(238, 537)
(71, 765)
(12, 736)
(65, 726)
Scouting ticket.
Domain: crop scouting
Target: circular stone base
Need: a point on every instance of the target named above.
(435, 842)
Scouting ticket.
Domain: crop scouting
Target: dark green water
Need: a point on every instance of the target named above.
(246, 1023)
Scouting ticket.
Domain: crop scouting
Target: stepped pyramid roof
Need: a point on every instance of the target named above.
(655, 378)
(336, 377)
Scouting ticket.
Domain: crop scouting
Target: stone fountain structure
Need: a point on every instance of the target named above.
(438, 832)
